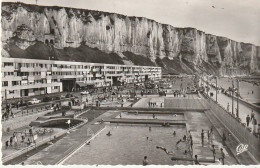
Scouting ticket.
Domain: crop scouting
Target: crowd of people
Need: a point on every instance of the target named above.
(24, 138)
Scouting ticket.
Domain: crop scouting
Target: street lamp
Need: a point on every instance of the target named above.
(216, 89)
(232, 96)
(237, 98)
(207, 85)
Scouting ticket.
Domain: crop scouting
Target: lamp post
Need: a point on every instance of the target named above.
(237, 98)
(207, 85)
(232, 96)
(216, 89)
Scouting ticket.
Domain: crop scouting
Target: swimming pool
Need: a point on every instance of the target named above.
(128, 145)
(150, 116)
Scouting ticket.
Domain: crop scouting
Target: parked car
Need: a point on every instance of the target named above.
(68, 95)
(84, 93)
(47, 99)
(34, 101)
(57, 98)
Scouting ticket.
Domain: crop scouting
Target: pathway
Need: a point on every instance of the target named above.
(68, 144)
(244, 110)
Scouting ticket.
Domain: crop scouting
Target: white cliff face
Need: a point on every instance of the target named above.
(117, 33)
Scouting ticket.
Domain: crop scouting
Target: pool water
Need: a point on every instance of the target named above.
(150, 116)
(128, 145)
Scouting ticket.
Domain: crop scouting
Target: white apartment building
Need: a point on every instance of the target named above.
(29, 77)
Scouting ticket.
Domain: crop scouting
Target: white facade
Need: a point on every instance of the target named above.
(29, 77)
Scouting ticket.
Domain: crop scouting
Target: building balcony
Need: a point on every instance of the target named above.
(69, 76)
(11, 78)
(8, 69)
(67, 70)
(90, 82)
(54, 68)
(27, 69)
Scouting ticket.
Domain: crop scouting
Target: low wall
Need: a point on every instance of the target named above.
(202, 109)
(236, 128)
(18, 122)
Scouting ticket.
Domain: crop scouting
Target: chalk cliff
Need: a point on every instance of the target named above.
(177, 50)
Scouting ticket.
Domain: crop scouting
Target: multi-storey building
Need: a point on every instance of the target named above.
(29, 77)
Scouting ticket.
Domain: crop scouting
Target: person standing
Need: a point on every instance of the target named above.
(191, 143)
(202, 136)
(145, 161)
(11, 141)
(247, 120)
(224, 138)
(208, 134)
(252, 115)
(222, 155)
(227, 107)
(254, 125)
(122, 103)
(15, 142)
(213, 152)
(211, 130)
(6, 144)
(28, 142)
(196, 160)
(23, 138)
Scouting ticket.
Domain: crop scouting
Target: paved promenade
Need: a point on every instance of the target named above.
(16, 147)
(244, 110)
(195, 122)
(56, 152)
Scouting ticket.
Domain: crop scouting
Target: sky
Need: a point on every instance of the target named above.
(238, 20)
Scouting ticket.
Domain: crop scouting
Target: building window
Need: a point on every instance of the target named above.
(14, 83)
(5, 83)
(11, 91)
(8, 64)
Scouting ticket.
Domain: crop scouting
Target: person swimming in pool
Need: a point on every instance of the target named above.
(165, 150)
(147, 138)
(109, 134)
(180, 141)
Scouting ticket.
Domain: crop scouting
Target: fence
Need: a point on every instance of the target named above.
(26, 112)
(33, 146)
(236, 128)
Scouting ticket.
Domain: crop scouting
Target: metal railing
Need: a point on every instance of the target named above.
(238, 129)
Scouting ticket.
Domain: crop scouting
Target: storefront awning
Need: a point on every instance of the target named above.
(81, 84)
